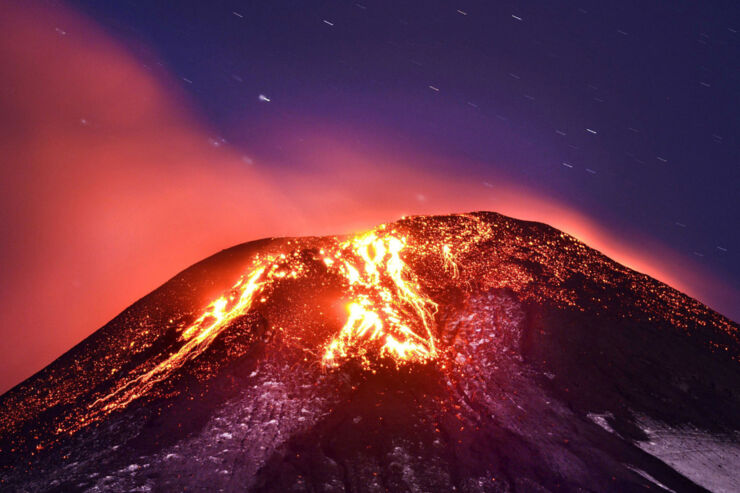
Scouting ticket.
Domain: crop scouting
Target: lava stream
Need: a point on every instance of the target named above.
(388, 314)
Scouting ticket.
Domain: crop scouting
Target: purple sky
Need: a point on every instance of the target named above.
(626, 110)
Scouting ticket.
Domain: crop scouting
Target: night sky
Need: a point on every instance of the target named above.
(628, 110)
(624, 113)
(641, 99)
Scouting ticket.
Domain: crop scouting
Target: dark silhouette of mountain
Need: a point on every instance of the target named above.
(451, 353)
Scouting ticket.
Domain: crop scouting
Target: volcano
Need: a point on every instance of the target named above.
(470, 352)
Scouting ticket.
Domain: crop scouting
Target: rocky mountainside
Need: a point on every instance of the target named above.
(465, 353)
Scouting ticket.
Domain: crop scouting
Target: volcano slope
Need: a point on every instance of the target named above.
(467, 352)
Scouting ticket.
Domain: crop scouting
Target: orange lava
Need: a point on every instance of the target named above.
(388, 315)
(387, 307)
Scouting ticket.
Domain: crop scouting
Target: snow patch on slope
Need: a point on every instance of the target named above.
(711, 461)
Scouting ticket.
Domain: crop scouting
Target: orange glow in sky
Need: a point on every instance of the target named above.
(110, 187)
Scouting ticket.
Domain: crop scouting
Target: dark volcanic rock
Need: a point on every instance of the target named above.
(550, 368)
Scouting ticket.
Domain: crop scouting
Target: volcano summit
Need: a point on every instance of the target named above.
(465, 353)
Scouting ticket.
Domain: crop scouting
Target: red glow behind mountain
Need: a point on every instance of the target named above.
(109, 181)
(470, 351)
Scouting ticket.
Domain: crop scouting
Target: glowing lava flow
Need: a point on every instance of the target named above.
(388, 314)
(388, 307)
(197, 337)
